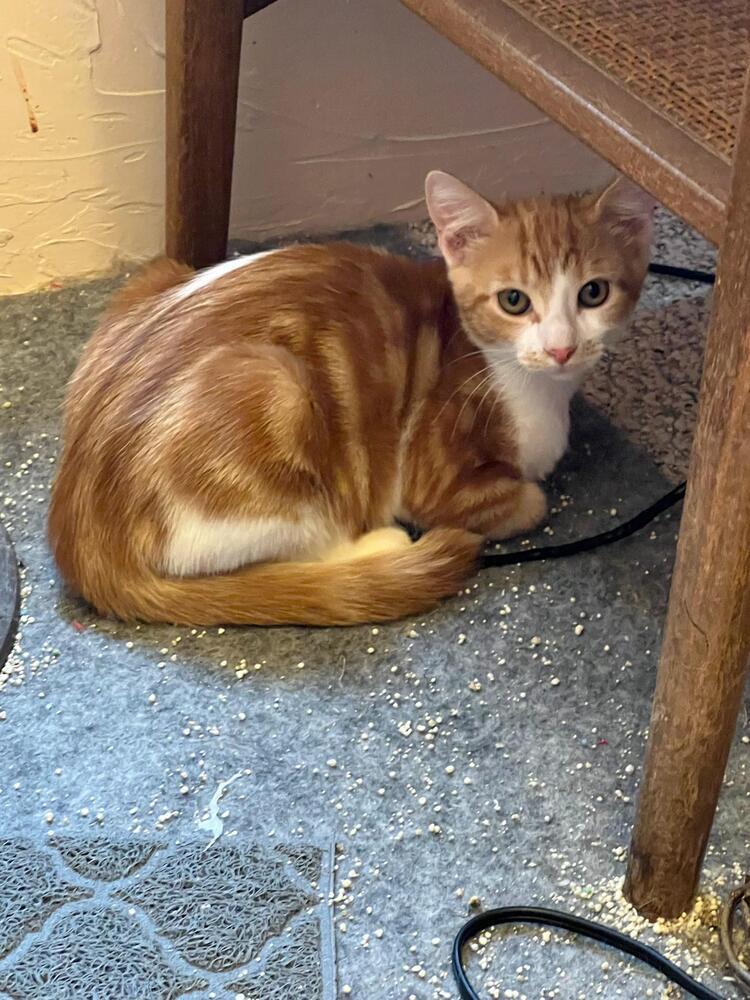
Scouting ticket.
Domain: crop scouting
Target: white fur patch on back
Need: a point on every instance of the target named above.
(210, 274)
(200, 545)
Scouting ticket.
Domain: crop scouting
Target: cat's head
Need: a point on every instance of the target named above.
(545, 283)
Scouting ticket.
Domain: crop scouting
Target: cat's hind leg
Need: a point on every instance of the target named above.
(241, 449)
(487, 502)
(512, 507)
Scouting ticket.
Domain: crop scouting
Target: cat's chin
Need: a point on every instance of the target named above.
(557, 373)
(565, 373)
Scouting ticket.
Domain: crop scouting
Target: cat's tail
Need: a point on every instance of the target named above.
(375, 587)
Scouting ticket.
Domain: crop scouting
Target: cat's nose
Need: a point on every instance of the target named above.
(562, 355)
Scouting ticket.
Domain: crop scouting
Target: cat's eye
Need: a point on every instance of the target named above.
(594, 293)
(514, 301)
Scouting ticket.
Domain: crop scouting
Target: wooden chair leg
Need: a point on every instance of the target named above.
(204, 39)
(707, 636)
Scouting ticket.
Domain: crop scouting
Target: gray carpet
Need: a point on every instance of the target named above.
(491, 749)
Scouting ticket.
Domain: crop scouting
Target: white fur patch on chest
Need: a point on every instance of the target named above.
(200, 545)
(540, 409)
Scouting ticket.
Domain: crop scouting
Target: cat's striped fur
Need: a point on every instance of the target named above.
(238, 445)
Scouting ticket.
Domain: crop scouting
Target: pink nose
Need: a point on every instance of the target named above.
(561, 354)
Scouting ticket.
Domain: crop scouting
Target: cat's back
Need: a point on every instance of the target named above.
(312, 300)
(170, 309)
(309, 286)
(301, 278)
(169, 317)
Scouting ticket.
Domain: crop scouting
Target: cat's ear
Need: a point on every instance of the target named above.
(462, 218)
(627, 209)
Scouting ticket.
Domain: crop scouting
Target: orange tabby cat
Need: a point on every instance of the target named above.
(239, 442)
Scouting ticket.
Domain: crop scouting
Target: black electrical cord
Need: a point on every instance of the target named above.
(739, 901)
(586, 544)
(556, 918)
(578, 925)
(672, 271)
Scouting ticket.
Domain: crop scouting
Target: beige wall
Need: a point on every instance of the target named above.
(87, 186)
(344, 106)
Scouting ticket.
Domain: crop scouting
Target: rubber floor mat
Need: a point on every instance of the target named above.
(145, 919)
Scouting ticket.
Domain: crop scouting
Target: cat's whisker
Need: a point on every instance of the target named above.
(509, 363)
(495, 401)
(474, 391)
(481, 404)
(458, 389)
(471, 354)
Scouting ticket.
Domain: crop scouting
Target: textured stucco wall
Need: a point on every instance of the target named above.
(344, 106)
(87, 186)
